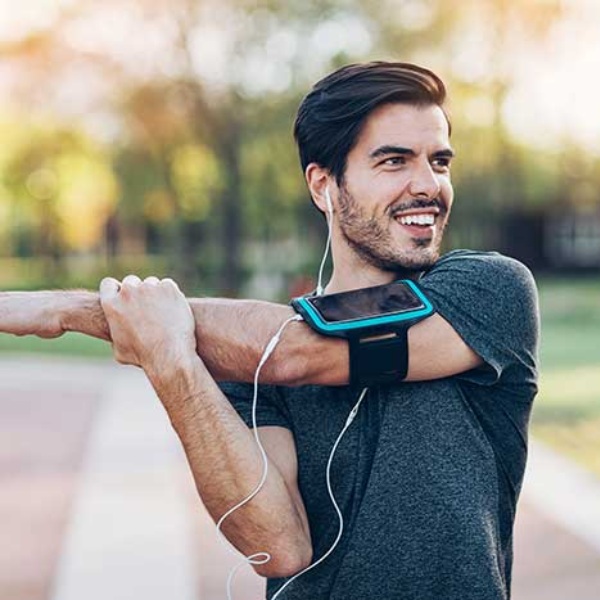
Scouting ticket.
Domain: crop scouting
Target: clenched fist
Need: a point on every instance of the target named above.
(151, 323)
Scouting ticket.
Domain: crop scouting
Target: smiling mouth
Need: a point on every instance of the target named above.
(418, 223)
(419, 213)
(419, 220)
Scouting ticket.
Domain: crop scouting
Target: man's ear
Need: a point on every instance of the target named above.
(318, 179)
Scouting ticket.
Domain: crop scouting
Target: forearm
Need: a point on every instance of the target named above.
(49, 314)
(233, 334)
(227, 466)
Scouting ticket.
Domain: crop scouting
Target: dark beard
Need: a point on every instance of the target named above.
(371, 242)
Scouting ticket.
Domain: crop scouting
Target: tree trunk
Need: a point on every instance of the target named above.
(230, 279)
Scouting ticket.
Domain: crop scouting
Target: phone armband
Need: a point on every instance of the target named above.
(375, 321)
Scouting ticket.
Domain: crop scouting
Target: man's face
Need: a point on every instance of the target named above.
(396, 194)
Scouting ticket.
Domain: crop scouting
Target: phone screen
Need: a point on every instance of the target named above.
(393, 298)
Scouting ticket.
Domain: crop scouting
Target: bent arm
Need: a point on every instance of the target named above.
(232, 335)
(226, 465)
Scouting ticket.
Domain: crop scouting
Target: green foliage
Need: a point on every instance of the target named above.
(201, 164)
(567, 411)
(58, 189)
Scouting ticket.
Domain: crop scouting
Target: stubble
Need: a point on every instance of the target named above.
(373, 242)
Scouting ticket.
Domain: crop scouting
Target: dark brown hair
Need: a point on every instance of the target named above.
(331, 116)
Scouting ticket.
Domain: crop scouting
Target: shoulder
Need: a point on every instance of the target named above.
(491, 301)
(492, 291)
(485, 294)
(477, 269)
(476, 260)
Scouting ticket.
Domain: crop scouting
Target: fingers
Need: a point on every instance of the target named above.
(132, 280)
(109, 288)
(170, 282)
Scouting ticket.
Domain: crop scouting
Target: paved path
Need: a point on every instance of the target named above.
(96, 501)
(557, 545)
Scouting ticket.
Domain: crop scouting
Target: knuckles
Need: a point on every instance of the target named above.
(131, 307)
(132, 285)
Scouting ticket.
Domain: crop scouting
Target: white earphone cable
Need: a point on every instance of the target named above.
(328, 244)
(349, 420)
(259, 558)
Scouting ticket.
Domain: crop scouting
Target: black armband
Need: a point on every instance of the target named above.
(375, 321)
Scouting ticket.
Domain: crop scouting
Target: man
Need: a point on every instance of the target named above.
(429, 473)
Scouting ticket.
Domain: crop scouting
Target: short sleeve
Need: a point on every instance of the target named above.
(270, 409)
(491, 302)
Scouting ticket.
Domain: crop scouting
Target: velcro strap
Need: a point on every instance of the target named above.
(379, 359)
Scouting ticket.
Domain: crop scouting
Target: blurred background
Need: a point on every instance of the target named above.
(154, 136)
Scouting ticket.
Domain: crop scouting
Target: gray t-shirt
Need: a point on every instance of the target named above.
(428, 474)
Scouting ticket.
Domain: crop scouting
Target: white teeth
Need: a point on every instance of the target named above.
(418, 220)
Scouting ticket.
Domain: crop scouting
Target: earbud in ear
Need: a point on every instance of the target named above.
(328, 202)
(329, 205)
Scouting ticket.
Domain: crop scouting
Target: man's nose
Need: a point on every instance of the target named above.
(424, 181)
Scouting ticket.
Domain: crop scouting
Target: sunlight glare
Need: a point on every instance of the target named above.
(557, 95)
(18, 19)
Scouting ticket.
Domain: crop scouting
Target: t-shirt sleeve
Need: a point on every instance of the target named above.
(270, 409)
(491, 302)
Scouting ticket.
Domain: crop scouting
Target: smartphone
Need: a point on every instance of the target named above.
(379, 308)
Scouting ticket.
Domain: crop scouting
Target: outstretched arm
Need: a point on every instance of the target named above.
(230, 343)
(232, 335)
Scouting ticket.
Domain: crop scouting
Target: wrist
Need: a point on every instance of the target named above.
(67, 308)
(176, 378)
(81, 311)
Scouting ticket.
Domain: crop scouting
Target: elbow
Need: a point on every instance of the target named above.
(286, 564)
(289, 365)
(308, 358)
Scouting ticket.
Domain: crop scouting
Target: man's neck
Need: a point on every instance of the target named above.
(343, 280)
(352, 272)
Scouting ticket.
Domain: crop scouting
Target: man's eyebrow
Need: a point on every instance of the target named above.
(387, 149)
(390, 149)
(446, 152)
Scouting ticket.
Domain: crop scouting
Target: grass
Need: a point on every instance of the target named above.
(70, 344)
(567, 411)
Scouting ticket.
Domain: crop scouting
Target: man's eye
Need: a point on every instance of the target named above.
(394, 161)
(441, 163)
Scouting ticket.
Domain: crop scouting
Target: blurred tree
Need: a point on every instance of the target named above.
(197, 75)
(197, 97)
(59, 188)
